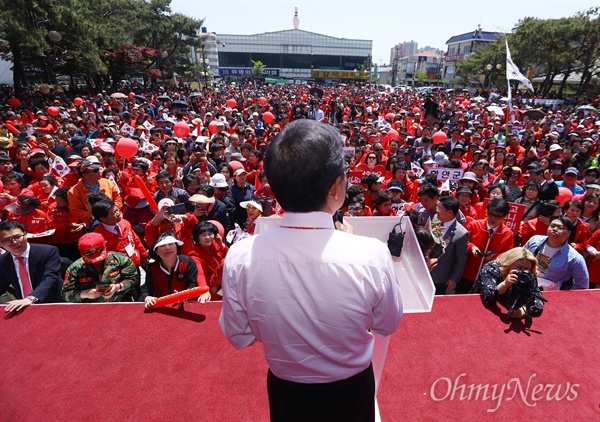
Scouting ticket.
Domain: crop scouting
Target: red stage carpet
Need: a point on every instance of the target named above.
(115, 362)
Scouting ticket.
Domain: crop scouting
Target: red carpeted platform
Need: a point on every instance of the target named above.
(460, 362)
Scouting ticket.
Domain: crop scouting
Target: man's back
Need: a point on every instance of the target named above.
(310, 294)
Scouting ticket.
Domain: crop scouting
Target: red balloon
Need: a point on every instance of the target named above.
(466, 103)
(392, 134)
(14, 102)
(268, 117)
(181, 129)
(53, 111)
(78, 101)
(564, 195)
(127, 148)
(439, 137)
(262, 101)
(212, 127)
(390, 116)
(231, 103)
(220, 227)
(132, 95)
(416, 110)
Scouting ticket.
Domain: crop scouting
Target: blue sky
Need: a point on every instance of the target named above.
(387, 23)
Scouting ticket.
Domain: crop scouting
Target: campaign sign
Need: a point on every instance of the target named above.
(443, 173)
(514, 217)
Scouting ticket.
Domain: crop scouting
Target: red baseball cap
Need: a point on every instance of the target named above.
(92, 247)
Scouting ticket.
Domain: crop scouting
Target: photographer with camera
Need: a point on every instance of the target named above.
(511, 278)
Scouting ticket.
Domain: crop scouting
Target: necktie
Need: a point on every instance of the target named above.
(27, 289)
(118, 230)
(491, 232)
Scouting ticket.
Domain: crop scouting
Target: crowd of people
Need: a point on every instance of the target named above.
(194, 184)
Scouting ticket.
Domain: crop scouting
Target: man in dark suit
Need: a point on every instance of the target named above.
(548, 188)
(455, 238)
(32, 270)
(453, 141)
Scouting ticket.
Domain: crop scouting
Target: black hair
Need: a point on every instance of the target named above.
(42, 163)
(164, 174)
(50, 179)
(565, 220)
(498, 186)
(548, 208)
(189, 179)
(141, 163)
(381, 197)
(29, 200)
(201, 227)
(499, 205)
(302, 164)
(573, 203)
(94, 197)
(450, 203)
(425, 239)
(355, 190)
(9, 225)
(101, 208)
(428, 190)
(206, 188)
(152, 254)
(62, 193)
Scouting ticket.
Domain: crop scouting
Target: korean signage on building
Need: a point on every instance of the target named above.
(246, 72)
(339, 74)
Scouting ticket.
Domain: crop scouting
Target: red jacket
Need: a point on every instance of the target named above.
(60, 219)
(593, 264)
(501, 241)
(533, 227)
(118, 243)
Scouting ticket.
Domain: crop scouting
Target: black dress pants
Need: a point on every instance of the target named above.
(352, 399)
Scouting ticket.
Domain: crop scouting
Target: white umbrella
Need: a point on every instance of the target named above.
(496, 110)
(478, 98)
(586, 107)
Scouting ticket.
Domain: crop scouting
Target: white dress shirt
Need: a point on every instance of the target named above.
(310, 294)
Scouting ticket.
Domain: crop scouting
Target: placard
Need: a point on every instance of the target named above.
(444, 173)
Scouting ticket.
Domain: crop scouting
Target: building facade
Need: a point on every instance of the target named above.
(462, 46)
(405, 69)
(292, 54)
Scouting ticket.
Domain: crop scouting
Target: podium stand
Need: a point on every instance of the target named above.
(416, 284)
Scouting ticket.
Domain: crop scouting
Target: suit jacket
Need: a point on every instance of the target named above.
(548, 191)
(451, 264)
(44, 273)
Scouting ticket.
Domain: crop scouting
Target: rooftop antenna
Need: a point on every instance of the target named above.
(296, 20)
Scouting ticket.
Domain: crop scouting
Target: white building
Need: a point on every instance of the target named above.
(292, 54)
(462, 46)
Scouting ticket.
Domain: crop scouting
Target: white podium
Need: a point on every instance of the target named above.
(416, 285)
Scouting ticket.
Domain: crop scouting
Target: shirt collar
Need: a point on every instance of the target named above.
(24, 254)
(166, 271)
(309, 220)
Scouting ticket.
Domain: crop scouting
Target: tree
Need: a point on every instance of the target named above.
(421, 76)
(481, 68)
(99, 40)
(258, 69)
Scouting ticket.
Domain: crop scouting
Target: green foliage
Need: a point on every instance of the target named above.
(100, 38)
(556, 48)
(421, 76)
(258, 68)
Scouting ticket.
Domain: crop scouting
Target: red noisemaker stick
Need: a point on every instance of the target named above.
(140, 183)
(180, 296)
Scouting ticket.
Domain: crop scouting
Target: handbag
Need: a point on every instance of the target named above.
(396, 240)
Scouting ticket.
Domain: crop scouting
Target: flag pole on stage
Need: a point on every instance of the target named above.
(513, 73)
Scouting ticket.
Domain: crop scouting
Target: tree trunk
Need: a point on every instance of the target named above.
(18, 71)
(563, 84)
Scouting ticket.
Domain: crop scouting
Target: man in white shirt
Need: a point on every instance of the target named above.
(311, 294)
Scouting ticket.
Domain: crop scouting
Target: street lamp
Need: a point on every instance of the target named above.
(490, 68)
